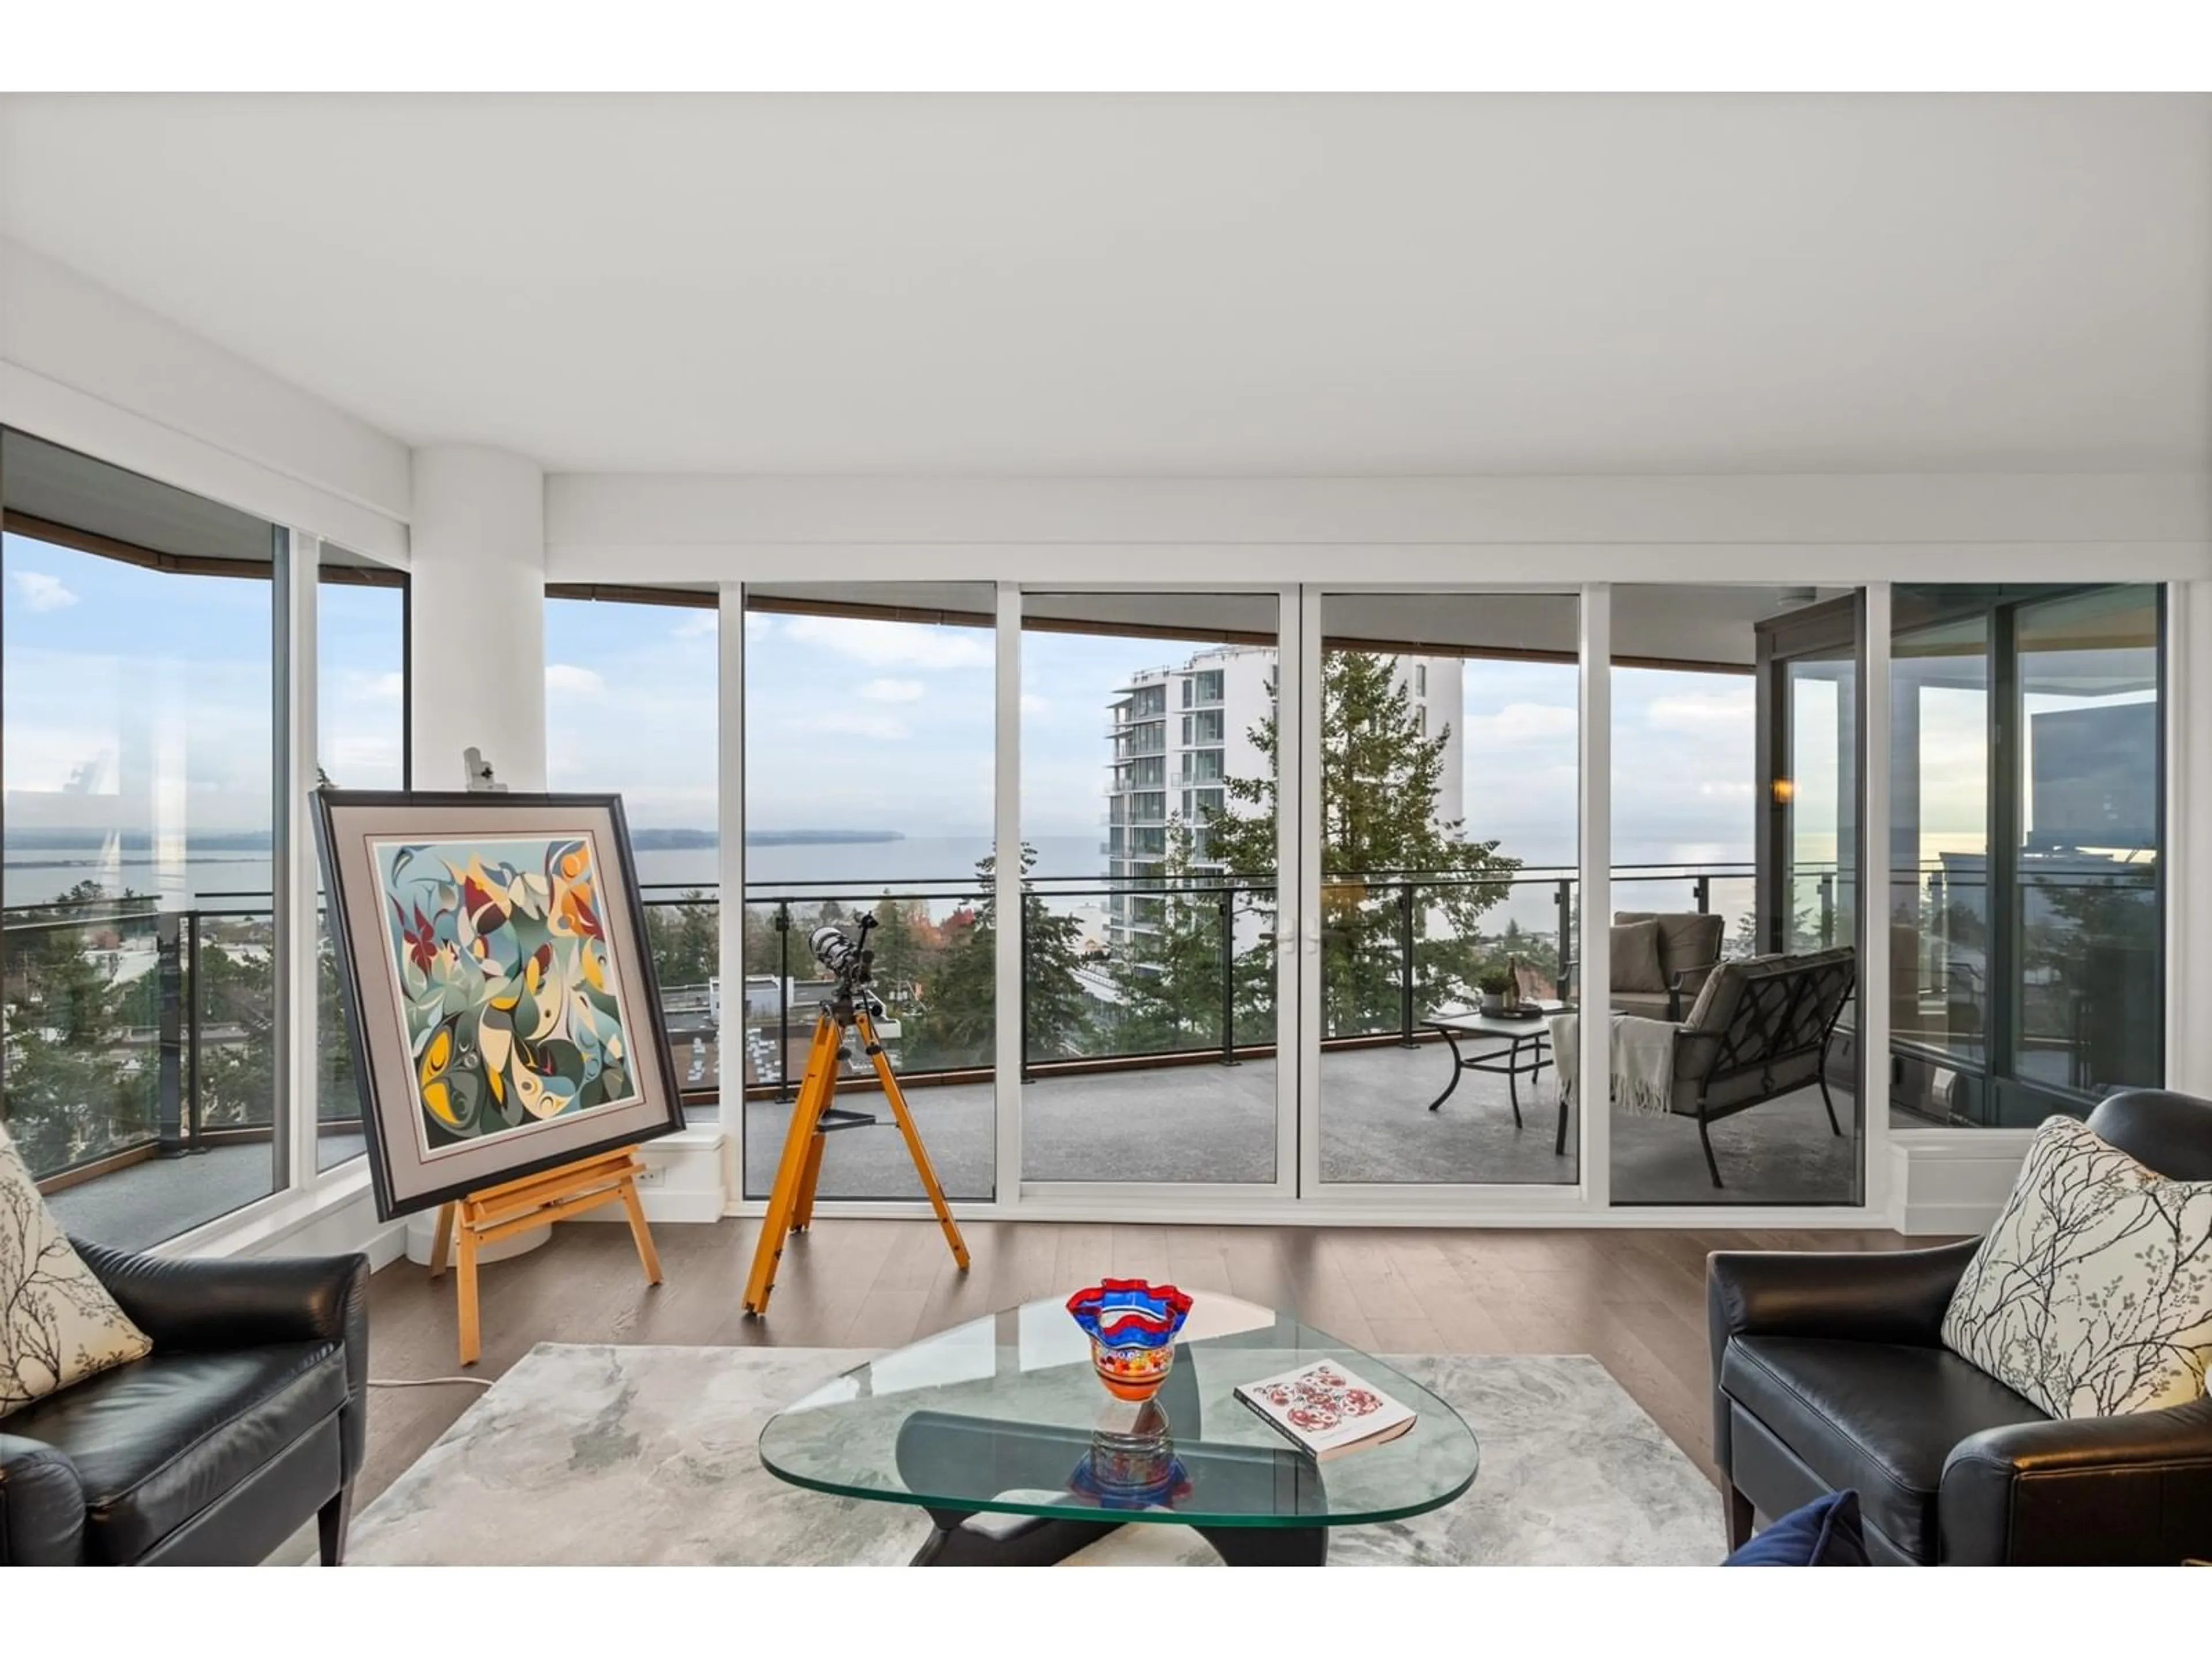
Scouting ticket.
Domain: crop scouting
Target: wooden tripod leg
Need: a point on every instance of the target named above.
(783, 1197)
(916, 1150)
(471, 1345)
(441, 1242)
(803, 1216)
(647, 1255)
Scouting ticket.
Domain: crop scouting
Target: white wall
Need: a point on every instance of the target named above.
(87, 369)
(478, 615)
(1535, 531)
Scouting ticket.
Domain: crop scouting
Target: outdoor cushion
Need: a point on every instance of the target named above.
(1636, 958)
(1689, 941)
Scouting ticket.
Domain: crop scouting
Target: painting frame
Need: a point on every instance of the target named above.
(417, 1160)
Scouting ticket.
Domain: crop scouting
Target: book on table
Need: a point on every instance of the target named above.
(1327, 1408)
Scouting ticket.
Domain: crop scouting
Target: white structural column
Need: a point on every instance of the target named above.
(293, 879)
(2188, 837)
(1876, 858)
(1006, 895)
(475, 646)
(478, 615)
(1594, 943)
(730, 872)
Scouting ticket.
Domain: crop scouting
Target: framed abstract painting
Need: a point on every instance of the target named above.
(499, 993)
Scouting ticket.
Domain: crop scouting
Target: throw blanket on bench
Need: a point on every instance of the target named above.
(1642, 1060)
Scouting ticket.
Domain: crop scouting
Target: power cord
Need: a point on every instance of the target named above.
(427, 1381)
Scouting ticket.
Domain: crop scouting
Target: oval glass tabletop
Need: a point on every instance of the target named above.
(1004, 1414)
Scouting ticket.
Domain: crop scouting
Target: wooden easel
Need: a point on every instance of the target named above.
(515, 1206)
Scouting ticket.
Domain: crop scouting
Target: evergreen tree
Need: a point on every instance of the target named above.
(1379, 828)
(902, 955)
(74, 1090)
(956, 1023)
(1169, 980)
(685, 939)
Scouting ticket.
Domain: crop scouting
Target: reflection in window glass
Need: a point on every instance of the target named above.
(360, 711)
(630, 710)
(2089, 1011)
(139, 974)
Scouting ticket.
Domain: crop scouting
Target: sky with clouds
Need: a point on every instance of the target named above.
(849, 722)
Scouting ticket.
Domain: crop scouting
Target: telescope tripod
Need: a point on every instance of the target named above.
(791, 1204)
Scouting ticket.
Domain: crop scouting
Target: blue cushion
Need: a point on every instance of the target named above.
(1824, 1533)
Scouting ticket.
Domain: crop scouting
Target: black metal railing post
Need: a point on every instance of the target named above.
(1027, 979)
(1227, 911)
(192, 1091)
(1827, 910)
(782, 1000)
(1566, 904)
(1406, 965)
(1705, 896)
(169, 1094)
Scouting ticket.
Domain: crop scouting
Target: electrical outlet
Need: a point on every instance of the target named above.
(651, 1176)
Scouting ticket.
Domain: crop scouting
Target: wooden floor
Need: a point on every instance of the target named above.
(1635, 1299)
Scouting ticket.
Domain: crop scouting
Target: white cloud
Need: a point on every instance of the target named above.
(358, 687)
(699, 625)
(757, 625)
(1524, 722)
(896, 645)
(850, 723)
(1033, 704)
(1698, 711)
(42, 592)
(892, 691)
(569, 679)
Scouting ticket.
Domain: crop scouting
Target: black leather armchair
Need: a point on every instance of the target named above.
(1829, 1371)
(249, 1416)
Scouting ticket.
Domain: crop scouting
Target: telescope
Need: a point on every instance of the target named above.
(844, 957)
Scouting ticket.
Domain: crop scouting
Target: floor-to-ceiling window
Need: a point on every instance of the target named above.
(1448, 841)
(2026, 834)
(361, 716)
(1148, 796)
(630, 710)
(1734, 936)
(139, 747)
(870, 746)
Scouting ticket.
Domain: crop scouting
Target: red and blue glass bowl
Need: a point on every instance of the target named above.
(1132, 1326)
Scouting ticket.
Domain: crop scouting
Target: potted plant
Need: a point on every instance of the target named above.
(1498, 989)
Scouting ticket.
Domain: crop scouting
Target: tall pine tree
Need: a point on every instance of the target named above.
(1380, 830)
(955, 1024)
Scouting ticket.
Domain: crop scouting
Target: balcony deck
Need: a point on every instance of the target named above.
(1210, 1123)
(1205, 1123)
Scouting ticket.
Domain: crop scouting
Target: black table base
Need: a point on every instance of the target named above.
(1037, 1542)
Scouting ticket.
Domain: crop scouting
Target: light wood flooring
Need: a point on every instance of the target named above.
(1633, 1298)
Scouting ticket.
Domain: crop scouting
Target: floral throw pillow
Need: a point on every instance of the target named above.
(58, 1322)
(2092, 1294)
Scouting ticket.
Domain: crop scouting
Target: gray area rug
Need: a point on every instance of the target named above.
(599, 1455)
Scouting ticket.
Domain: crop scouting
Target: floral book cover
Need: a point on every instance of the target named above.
(1326, 1409)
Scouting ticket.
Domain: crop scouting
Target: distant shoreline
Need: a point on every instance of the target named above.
(204, 851)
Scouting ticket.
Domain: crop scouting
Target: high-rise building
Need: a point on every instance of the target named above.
(1178, 733)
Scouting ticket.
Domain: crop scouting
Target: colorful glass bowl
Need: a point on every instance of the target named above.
(1132, 1326)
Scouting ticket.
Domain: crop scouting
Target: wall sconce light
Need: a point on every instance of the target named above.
(1784, 790)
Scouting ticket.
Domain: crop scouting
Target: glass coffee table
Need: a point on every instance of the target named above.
(1000, 1430)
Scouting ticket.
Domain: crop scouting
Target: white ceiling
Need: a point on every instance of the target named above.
(1195, 286)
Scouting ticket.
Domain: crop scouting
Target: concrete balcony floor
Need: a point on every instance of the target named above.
(1203, 1123)
(1210, 1123)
